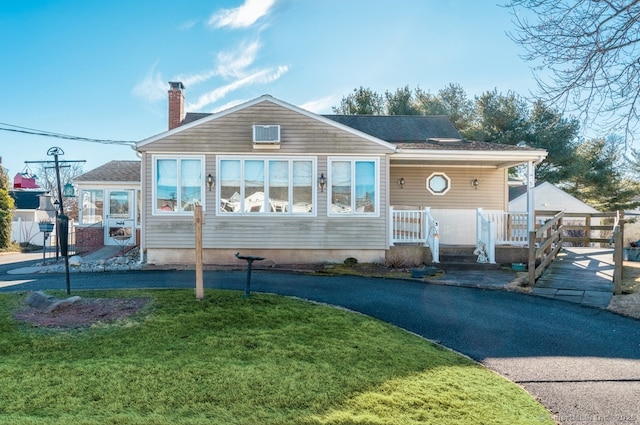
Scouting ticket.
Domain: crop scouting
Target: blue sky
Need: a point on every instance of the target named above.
(99, 69)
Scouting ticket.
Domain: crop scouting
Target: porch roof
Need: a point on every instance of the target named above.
(112, 172)
(465, 153)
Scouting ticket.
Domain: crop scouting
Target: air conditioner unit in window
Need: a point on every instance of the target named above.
(266, 134)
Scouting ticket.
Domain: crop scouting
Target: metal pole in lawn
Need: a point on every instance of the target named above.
(62, 221)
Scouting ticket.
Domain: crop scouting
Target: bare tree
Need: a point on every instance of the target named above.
(586, 56)
(48, 181)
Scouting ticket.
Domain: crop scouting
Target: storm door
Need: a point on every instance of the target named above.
(120, 219)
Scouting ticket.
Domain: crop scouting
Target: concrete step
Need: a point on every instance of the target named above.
(465, 265)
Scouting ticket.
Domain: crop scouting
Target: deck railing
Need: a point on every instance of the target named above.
(415, 226)
(510, 226)
(485, 238)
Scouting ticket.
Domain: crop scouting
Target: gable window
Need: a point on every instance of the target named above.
(353, 186)
(269, 186)
(178, 184)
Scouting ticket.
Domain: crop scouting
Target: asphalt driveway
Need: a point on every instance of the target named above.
(582, 363)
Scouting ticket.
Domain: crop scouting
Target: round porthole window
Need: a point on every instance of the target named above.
(438, 183)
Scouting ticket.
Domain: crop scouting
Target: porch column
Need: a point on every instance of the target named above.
(531, 208)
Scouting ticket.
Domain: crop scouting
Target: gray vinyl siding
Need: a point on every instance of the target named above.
(491, 194)
(300, 135)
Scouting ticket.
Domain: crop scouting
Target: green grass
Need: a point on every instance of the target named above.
(231, 360)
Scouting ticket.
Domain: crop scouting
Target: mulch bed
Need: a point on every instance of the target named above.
(83, 313)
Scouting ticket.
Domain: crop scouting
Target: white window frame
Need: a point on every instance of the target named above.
(81, 217)
(154, 174)
(269, 213)
(353, 161)
(444, 177)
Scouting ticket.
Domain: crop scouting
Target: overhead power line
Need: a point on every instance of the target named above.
(44, 133)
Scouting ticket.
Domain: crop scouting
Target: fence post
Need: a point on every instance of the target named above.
(391, 226)
(618, 259)
(531, 267)
(199, 272)
(478, 225)
(587, 230)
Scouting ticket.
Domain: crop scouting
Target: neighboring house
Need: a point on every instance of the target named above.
(32, 205)
(108, 206)
(551, 199)
(547, 198)
(280, 182)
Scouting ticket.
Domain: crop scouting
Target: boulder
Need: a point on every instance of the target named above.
(47, 303)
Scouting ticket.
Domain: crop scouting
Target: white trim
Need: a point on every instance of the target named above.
(443, 175)
(290, 159)
(498, 159)
(353, 160)
(154, 170)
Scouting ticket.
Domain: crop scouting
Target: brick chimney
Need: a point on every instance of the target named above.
(176, 104)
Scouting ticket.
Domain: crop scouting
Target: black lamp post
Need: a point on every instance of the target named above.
(62, 220)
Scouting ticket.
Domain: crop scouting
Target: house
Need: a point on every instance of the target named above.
(109, 206)
(31, 204)
(551, 199)
(277, 181)
(547, 198)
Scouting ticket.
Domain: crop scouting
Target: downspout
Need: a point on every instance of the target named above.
(142, 205)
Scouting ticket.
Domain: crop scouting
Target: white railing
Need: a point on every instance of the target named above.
(485, 238)
(510, 226)
(415, 226)
(483, 228)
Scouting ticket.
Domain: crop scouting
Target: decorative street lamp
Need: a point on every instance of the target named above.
(62, 220)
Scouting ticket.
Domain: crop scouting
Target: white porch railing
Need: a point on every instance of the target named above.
(485, 238)
(483, 228)
(510, 226)
(415, 226)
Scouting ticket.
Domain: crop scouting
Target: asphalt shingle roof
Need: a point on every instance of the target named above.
(401, 128)
(113, 171)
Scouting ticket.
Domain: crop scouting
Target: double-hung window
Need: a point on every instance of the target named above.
(269, 186)
(178, 184)
(353, 186)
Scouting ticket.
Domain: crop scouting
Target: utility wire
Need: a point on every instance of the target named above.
(44, 133)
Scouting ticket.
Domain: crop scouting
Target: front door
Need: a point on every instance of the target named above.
(120, 219)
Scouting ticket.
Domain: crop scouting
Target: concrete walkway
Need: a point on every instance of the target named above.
(579, 275)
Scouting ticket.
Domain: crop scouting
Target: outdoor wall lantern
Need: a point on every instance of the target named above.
(68, 191)
(401, 182)
(475, 183)
(209, 182)
(322, 182)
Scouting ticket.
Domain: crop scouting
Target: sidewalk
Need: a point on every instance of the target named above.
(103, 253)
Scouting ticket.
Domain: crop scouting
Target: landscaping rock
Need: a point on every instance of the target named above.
(47, 303)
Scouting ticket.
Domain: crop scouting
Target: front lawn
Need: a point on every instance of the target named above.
(230, 360)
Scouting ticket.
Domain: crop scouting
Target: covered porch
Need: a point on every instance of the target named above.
(456, 193)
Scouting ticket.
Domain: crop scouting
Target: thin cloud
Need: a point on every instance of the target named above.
(233, 64)
(187, 25)
(320, 106)
(243, 16)
(152, 87)
(260, 77)
(229, 64)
